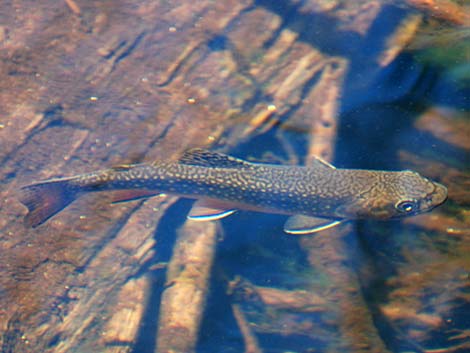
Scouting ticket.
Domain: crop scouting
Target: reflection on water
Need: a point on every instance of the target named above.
(366, 85)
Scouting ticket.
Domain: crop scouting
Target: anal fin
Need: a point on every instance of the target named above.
(204, 210)
(131, 195)
(300, 224)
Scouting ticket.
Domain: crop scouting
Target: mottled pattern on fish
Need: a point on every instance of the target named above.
(319, 190)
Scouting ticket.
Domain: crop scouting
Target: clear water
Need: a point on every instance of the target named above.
(396, 286)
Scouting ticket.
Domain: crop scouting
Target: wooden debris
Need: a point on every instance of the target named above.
(443, 9)
(328, 253)
(73, 6)
(401, 38)
(446, 125)
(121, 329)
(249, 338)
(183, 300)
(84, 87)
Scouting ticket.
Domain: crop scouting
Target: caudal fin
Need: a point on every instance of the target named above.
(45, 199)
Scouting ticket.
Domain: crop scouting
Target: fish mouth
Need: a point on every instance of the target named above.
(437, 197)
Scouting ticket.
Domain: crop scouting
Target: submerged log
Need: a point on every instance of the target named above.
(84, 89)
(85, 86)
(187, 282)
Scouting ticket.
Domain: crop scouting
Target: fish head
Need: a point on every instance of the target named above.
(395, 195)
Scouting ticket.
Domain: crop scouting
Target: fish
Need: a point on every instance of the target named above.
(316, 197)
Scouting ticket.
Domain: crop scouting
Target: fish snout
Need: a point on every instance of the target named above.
(438, 196)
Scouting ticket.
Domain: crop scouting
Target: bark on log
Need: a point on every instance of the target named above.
(87, 85)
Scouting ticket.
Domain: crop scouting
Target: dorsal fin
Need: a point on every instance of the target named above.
(204, 158)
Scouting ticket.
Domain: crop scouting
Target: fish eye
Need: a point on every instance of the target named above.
(406, 206)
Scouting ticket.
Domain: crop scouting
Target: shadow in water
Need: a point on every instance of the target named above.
(166, 231)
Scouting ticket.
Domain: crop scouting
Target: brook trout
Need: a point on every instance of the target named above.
(318, 196)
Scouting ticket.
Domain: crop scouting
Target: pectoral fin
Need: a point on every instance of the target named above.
(209, 211)
(300, 224)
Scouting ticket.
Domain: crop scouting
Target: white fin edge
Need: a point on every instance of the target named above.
(322, 161)
(312, 230)
(211, 217)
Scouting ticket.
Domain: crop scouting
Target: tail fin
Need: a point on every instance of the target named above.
(45, 199)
